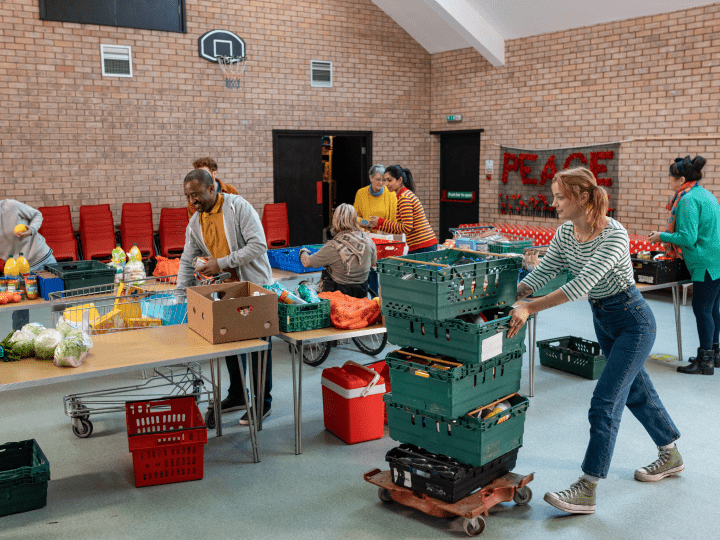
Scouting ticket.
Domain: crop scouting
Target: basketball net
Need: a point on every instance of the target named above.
(233, 68)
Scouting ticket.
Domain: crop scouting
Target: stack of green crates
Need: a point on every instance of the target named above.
(449, 367)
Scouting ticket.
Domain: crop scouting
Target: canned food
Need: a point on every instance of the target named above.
(31, 287)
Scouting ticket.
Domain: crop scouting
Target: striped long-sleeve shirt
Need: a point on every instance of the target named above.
(602, 266)
(411, 222)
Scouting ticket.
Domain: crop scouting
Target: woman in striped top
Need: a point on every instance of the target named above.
(596, 249)
(411, 220)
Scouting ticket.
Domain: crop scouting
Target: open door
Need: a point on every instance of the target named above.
(298, 172)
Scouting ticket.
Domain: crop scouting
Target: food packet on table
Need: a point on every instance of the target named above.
(284, 295)
(308, 294)
(71, 351)
(134, 272)
(46, 342)
(65, 327)
(33, 328)
(84, 336)
(23, 343)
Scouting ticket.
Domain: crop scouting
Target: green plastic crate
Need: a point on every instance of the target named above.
(470, 440)
(82, 274)
(470, 284)
(24, 476)
(513, 246)
(464, 342)
(560, 279)
(300, 317)
(572, 355)
(455, 391)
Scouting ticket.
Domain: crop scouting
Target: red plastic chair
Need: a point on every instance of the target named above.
(171, 234)
(97, 232)
(276, 226)
(57, 229)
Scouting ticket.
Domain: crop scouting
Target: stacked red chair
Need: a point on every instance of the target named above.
(276, 226)
(136, 227)
(57, 229)
(173, 222)
(97, 232)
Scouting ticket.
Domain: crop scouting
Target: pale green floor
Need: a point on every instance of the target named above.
(321, 494)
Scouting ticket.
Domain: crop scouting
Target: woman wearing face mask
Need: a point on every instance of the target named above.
(596, 249)
(693, 232)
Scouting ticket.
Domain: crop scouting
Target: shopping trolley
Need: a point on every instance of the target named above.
(122, 307)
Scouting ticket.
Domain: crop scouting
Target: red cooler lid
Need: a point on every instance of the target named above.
(350, 377)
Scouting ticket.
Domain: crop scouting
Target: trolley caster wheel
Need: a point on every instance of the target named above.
(85, 430)
(210, 418)
(474, 526)
(385, 495)
(81, 411)
(522, 496)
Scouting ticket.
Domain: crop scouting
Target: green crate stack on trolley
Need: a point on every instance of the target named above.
(456, 377)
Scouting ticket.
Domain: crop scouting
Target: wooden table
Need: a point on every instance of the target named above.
(643, 288)
(322, 335)
(122, 352)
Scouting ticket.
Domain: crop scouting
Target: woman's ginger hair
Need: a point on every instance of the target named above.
(574, 182)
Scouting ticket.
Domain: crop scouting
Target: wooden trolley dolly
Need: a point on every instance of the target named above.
(510, 487)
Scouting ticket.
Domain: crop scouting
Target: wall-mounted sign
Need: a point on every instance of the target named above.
(458, 196)
(454, 117)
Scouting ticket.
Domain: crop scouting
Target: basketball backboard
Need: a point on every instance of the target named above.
(220, 43)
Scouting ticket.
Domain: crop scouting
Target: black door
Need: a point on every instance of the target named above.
(349, 168)
(459, 178)
(298, 172)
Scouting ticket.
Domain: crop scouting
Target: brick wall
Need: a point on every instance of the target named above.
(72, 136)
(656, 78)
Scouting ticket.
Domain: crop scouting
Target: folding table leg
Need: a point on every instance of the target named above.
(248, 394)
(678, 325)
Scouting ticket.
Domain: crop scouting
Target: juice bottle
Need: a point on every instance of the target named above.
(134, 253)
(118, 255)
(21, 265)
(10, 267)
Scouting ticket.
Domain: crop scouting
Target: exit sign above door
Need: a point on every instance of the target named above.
(454, 117)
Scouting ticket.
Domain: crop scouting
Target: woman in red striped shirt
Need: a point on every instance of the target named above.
(411, 220)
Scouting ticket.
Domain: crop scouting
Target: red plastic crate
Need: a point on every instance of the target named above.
(387, 248)
(167, 440)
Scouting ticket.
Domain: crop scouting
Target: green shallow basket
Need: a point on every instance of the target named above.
(301, 317)
(572, 355)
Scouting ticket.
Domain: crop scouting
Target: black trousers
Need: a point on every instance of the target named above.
(235, 391)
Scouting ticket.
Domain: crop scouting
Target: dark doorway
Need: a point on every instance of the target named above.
(314, 171)
(459, 179)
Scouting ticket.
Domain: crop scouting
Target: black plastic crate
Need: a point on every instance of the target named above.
(443, 477)
(655, 272)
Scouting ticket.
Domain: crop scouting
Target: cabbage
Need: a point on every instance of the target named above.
(71, 352)
(65, 327)
(45, 344)
(23, 343)
(33, 328)
(83, 336)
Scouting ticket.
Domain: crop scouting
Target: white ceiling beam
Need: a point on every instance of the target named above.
(464, 19)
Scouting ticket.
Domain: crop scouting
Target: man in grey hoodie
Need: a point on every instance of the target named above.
(30, 243)
(226, 230)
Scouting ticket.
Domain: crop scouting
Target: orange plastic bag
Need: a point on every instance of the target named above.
(167, 267)
(350, 313)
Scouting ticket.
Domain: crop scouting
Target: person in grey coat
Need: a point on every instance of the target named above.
(226, 230)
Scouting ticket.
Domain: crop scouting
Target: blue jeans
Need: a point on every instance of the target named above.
(706, 307)
(22, 316)
(424, 250)
(625, 329)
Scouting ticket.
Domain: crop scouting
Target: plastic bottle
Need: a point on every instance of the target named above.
(308, 294)
(285, 296)
(10, 267)
(118, 255)
(22, 266)
(135, 254)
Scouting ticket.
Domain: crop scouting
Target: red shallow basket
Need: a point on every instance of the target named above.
(167, 440)
(388, 248)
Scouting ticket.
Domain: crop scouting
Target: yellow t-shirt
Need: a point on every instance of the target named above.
(384, 206)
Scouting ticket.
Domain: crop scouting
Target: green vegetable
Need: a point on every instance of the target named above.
(33, 328)
(9, 354)
(23, 343)
(71, 352)
(45, 344)
(64, 327)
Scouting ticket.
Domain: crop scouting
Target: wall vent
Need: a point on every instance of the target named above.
(321, 74)
(116, 61)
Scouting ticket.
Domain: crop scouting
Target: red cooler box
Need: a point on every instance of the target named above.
(352, 402)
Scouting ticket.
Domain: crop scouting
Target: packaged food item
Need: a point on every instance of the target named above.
(71, 352)
(106, 322)
(143, 322)
(23, 343)
(284, 295)
(46, 342)
(13, 284)
(118, 255)
(31, 287)
(33, 328)
(3, 285)
(308, 294)
(64, 327)
(10, 267)
(497, 409)
(134, 272)
(134, 254)
(22, 266)
(199, 261)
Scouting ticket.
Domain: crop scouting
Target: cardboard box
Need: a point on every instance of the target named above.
(235, 315)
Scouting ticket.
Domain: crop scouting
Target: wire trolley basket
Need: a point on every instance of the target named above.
(123, 307)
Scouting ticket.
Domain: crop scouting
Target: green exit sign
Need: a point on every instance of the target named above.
(454, 117)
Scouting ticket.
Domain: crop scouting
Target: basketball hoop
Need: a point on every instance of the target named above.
(233, 68)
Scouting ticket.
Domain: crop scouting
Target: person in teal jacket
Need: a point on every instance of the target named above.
(694, 233)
